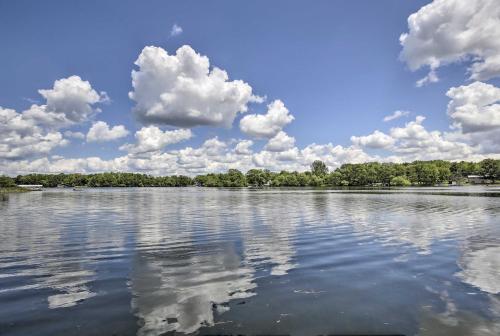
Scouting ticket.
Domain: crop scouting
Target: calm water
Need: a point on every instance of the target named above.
(207, 261)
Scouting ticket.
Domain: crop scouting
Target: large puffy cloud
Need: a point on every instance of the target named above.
(447, 31)
(69, 102)
(269, 124)
(181, 90)
(375, 140)
(475, 107)
(280, 142)
(34, 132)
(152, 139)
(100, 132)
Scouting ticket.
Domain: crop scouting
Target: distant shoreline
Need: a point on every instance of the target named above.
(371, 174)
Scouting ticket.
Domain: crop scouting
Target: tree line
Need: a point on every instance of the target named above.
(422, 173)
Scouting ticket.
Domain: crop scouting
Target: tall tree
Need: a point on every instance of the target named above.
(319, 168)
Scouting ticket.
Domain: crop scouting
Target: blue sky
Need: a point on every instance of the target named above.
(335, 65)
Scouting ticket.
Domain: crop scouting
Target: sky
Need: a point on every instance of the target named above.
(190, 87)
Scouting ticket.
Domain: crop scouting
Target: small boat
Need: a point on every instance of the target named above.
(79, 188)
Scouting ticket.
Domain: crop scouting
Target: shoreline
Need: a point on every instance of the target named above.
(13, 190)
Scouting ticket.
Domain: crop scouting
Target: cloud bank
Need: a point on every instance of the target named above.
(454, 31)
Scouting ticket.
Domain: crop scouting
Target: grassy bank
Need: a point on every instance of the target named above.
(12, 190)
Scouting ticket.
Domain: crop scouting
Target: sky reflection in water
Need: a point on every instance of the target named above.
(151, 261)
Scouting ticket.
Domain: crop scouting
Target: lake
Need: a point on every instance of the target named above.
(152, 261)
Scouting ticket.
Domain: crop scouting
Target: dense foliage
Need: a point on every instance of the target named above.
(363, 174)
(104, 180)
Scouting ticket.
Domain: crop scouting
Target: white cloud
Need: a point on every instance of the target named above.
(68, 102)
(243, 147)
(181, 90)
(280, 143)
(334, 155)
(375, 140)
(19, 147)
(74, 135)
(414, 142)
(448, 31)
(396, 115)
(431, 77)
(475, 107)
(100, 132)
(176, 30)
(269, 124)
(152, 139)
(22, 138)
(34, 132)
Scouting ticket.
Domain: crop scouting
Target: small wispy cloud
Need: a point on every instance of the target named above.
(176, 30)
(396, 115)
(431, 77)
(31, 100)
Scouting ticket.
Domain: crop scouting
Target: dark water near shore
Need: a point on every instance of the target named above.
(207, 261)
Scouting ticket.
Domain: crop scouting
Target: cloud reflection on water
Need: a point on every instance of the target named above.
(192, 254)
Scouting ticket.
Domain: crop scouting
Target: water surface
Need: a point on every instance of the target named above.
(152, 261)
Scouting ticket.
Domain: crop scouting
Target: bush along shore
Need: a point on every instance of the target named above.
(417, 173)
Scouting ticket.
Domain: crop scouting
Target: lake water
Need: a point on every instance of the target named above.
(151, 261)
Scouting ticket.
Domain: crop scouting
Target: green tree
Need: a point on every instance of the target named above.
(6, 182)
(319, 168)
(233, 178)
(256, 177)
(400, 181)
(334, 179)
(490, 168)
(427, 173)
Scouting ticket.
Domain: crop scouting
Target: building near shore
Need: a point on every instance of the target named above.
(478, 179)
(32, 187)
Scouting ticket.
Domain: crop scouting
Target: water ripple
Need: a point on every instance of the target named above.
(213, 261)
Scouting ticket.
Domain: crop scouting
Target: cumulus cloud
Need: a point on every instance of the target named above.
(181, 90)
(22, 138)
(34, 132)
(151, 139)
(176, 30)
(448, 31)
(280, 142)
(396, 115)
(475, 107)
(243, 147)
(269, 124)
(415, 142)
(69, 102)
(375, 140)
(100, 132)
